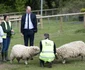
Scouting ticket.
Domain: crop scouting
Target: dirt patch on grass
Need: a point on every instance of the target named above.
(6, 66)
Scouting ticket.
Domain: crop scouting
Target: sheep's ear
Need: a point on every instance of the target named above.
(34, 48)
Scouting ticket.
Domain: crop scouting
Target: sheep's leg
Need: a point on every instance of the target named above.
(64, 61)
(81, 58)
(18, 59)
(31, 58)
(26, 62)
(11, 59)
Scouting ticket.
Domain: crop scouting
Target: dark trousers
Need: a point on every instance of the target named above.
(6, 43)
(29, 36)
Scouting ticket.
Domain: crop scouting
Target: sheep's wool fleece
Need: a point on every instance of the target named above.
(71, 49)
(19, 50)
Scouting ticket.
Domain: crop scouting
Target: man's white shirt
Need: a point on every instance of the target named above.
(30, 22)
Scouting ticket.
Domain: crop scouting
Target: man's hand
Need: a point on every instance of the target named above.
(21, 34)
(12, 30)
(35, 31)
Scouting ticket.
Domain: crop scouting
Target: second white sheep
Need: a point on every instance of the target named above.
(70, 50)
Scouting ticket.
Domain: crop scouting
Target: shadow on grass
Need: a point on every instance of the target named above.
(80, 31)
(69, 60)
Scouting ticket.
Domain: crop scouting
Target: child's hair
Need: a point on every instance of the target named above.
(5, 17)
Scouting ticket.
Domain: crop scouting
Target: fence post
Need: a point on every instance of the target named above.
(84, 20)
(41, 22)
(61, 21)
(19, 24)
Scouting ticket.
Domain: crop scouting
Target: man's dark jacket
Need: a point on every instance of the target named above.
(33, 20)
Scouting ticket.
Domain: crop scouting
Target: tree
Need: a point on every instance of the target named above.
(62, 5)
(7, 6)
(20, 5)
(49, 3)
(74, 5)
(35, 4)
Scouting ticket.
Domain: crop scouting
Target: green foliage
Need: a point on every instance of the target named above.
(20, 5)
(82, 10)
(5, 9)
(7, 6)
(65, 6)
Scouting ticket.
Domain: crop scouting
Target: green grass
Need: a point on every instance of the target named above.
(71, 32)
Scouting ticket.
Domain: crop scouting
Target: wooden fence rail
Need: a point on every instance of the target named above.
(18, 18)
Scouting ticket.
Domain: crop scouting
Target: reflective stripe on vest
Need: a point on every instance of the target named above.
(47, 53)
(6, 24)
(5, 34)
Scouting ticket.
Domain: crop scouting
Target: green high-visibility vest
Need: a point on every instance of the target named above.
(47, 53)
(5, 34)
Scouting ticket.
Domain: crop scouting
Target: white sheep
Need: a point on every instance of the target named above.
(70, 50)
(22, 52)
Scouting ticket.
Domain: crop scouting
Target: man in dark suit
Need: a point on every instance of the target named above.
(28, 26)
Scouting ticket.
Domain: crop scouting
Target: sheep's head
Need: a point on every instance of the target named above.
(57, 54)
(36, 50)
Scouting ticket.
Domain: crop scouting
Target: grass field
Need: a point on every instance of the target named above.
(71, 32)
